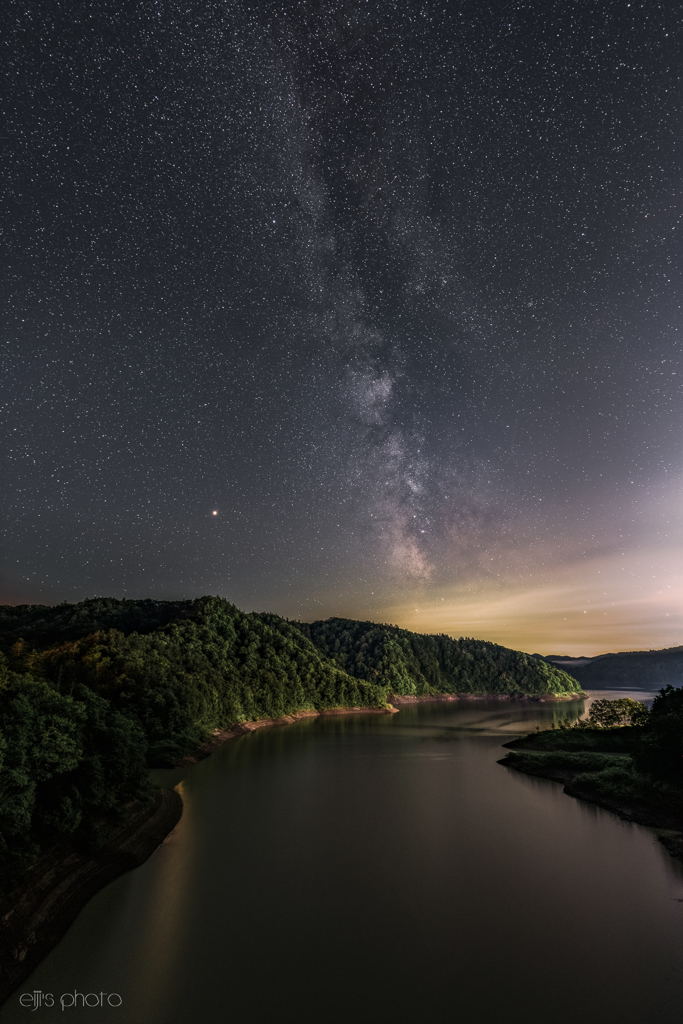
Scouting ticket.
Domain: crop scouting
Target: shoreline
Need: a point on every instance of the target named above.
(667, 825)
(524, 698)
(221, 736)
(63, 880)
(60, 883)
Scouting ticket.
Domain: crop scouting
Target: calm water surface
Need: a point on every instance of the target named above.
(384, 869)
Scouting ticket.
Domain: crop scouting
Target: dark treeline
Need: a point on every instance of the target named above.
(92, 694)
(42, 625)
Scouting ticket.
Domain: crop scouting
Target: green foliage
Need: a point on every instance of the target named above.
(582, 760)
(212, 670)
(66, 763)
(655, 738)
(611, 714)
(412, 663)
(598, 776)
(92, 693)
(623, 740)
(661, 751)
(42, 625)
(617, 782)
(650, 769)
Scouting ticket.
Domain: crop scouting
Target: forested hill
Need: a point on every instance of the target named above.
(416, 663)
(240, 645)
(93, 693)
(185, 668)
(42, 625)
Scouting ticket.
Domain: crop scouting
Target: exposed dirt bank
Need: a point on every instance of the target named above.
(221, 736)
(411, 699)
(528, 699)
(61, 882)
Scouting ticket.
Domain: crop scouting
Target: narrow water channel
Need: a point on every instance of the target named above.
(381, 869)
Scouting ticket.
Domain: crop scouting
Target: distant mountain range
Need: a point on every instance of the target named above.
(647, 670)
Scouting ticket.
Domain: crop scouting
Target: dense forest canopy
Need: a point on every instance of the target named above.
(416, 663)
(93, 693)
(42, 625)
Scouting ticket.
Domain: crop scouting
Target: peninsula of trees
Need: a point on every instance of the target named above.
(623, 757)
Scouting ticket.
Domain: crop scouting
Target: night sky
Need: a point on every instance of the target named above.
(365, 308)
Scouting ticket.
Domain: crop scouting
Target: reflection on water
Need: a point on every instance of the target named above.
(159, 940)
(617, 692)
(383, 868)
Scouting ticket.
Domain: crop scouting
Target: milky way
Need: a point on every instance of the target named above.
(391, 288)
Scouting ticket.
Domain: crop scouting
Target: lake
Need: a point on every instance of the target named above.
(381, 869)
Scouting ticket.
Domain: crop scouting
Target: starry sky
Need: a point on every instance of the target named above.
(364, 308)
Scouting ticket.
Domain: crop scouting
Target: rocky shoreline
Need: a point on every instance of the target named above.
(64, 879)
(548, 699)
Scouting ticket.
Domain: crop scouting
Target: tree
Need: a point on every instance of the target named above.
(612, 714)
(661, 748)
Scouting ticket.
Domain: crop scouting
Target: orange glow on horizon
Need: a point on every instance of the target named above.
(592, 608)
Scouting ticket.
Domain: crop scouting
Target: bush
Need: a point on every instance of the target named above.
(619, 781)
(611, 714)
(624, 740)
(574, 760)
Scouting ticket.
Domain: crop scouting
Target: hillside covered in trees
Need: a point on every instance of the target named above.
(415, 663)
(91, 694)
